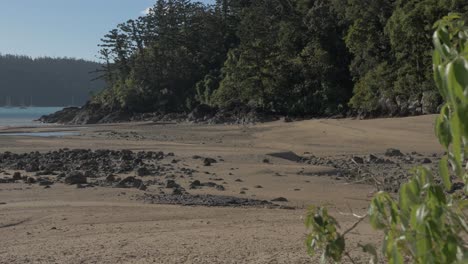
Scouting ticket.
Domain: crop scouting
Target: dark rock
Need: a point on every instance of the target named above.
(280, 199)
(195, 184)
(426, 161)
(208, 161)
(391, 152)
(358, 160)
(220, 188)
(258, 186)
(178, 191)
(171, 184)
(31, 167)
(31, 180)
(110, 178)
(75, 177)
(130, 182)
(17, 176)
(287, 155)
(142, 187)
(143, 171)
(266, 161)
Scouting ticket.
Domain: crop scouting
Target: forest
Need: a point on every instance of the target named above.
(292, 57)
(45, 81)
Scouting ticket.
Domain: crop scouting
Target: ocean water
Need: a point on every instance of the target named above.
(15, 116)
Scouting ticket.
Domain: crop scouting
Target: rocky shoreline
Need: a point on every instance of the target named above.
(234, 113)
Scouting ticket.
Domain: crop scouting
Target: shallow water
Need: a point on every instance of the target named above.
(15, 116)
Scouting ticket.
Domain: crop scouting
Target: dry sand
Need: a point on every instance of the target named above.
(64, 224)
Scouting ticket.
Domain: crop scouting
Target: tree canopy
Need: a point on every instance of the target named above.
(299, 57)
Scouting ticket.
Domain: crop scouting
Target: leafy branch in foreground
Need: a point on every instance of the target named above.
(425, 224)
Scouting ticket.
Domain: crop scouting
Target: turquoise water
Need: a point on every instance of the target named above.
(15, 116)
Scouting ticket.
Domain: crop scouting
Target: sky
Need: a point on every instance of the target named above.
(62, 28)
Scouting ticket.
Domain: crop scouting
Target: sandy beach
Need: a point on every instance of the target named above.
(65, 224)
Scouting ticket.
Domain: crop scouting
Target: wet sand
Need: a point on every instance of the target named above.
(64, 224)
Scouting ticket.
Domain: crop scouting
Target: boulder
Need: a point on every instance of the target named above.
(391, 152)
(75, 177)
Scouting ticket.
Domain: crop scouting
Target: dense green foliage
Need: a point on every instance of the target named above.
(426, 224)
(316, 57)
(47, 81)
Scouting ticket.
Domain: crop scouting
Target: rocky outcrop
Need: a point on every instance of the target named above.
(93, 113)
(428, 103)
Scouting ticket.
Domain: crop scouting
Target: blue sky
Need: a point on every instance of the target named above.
(60, 28)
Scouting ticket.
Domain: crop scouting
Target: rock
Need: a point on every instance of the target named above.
(266, 161)
(414, 107)
(258, 186)
(202, 112)
(130, 182)
(287, 155)
(143, 171)
(17, 176)
(280, 199)
(239, 180)
(75, 177)
(208, 161)
(220, 188)
(196, 184)
(31, 167)
(171, 184)
(142, 187)
(358, 160)
(89, 174)
(110, 178)
(31, 180)
(391, 152)
(430, 102)
(177, 191)
(426, 161)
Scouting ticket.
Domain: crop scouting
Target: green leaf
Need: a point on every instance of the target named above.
(444, 173)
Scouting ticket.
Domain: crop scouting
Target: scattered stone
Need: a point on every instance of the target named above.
(258, 187)
(207, 200)
(239, 180)
(220, 188)
(266, 161)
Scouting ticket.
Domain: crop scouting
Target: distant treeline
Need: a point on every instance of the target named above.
(47, 81)
(317, 57)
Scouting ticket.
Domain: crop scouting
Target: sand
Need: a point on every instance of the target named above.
(64, 224)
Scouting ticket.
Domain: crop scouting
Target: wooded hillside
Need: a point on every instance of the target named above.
(47, 81)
